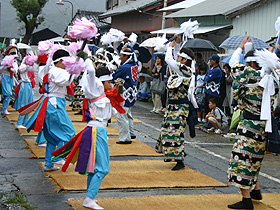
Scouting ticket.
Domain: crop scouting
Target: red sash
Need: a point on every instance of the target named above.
(29, 107)
(16, 93)
(76, 140)
(41, 116)
(115, 99)
(70, 89)
(31, 75)
(11, 73)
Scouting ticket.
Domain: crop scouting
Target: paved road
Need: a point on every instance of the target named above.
(208, 153)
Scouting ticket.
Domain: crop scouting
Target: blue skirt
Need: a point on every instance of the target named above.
(25, 95)
(57, 122)
(7, 85)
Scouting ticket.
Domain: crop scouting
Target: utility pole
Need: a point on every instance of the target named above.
(163, 15)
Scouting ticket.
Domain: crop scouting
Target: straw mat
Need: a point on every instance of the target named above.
(10, 109)
(78, 127)
(79, 118)
(135, 174)
(74, 118)
(37, 152)
(137, 148)
(14, 116)
(179, 202)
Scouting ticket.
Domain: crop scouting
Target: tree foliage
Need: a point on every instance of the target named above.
(29, 12)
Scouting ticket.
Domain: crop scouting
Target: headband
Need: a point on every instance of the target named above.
(126, 53)
(58, 59)
(184, 55)
(106, 77)
(251, 58)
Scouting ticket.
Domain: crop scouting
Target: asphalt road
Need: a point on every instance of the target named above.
(207, 153)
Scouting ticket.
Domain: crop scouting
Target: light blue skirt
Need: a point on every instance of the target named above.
(25, 95)
(7, 85)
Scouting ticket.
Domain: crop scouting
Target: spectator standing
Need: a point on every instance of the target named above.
(200, 93)
(229, 80)
(222, 94)
(212, 81)
(159, 69)
(200, 62)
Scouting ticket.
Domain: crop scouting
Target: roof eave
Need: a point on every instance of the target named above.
(112, 13)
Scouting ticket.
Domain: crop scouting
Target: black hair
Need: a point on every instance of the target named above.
(278, 54)
(101, 71)
(213, 100)
(161, 57)
(251, 53)
(201, 67)
(228, 66)
(127, 49)
(59, 54)
(110, 50)
(190, 53)
(198, 55)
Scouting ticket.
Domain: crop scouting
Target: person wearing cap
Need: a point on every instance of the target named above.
(257, 96)
(212, 81)
(128, 72)
(181, 101)
(7, 81)
(51, 116)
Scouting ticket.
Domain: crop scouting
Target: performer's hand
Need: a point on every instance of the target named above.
(244, 41)
(118, 82)
(80, 53)
(178, 39)
(172, 44)
(2, 49)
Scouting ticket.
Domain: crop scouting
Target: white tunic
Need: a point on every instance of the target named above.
(58, 80)
(93, 88)
(5, 71)
(23, 69)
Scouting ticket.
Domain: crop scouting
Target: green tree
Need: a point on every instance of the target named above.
(29, 12)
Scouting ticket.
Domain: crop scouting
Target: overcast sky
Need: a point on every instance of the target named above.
(57, 17)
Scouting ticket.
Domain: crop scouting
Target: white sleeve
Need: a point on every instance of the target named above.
(176, 50)
(33, 68)
(15, 67)
(61, 77)
(91, 85)
(23, 66)
(171, 62)
(235, 58)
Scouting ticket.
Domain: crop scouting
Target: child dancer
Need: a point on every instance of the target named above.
(24, 93)
(7, 79)
(93, 157)
(51, 116)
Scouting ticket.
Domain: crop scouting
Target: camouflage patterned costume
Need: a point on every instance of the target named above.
(175, 118)
(250, 142)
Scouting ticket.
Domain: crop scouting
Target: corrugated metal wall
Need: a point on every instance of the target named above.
(258, 22)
